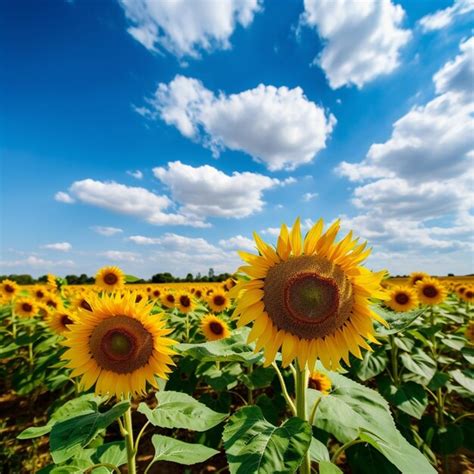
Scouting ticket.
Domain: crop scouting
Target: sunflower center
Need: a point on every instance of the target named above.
(315, 384)
(85, 305)
(402, 298)
(216, 328)
(417, 279)
(170, 298)
(156, 293)
(27, 307)
(185, 301)
(469, 294)
(9, 288)
(138, 298)
(110, 278)
(308, 296)
(39, 294)
(219, 300)
(65, 320)
(199, 293)
(430, 291)
(121, 344)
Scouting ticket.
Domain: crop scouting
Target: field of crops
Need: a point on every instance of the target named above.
(118, 377)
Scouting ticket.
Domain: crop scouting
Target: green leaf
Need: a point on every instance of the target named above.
(454, 342)
(468, 354)
(351, 410)
(439, 380)
(71, 435)
(398, 321)
(372, 364)
(327, 467)
(179, 410)
(111, 453)
(464, 380)
(318, 450)
(173, 450)
(233, 348)
(448, 439)
(253, 445)
(260, 377)
(410, 397)
(420, 364)
(404, 343)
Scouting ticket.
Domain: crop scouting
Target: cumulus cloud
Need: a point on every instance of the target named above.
(137, 174)
(238, 242)
(278, 127)
(61, 246)
(186, 28)
(362, 39)
(37, 262)
(309, 196)
(206, 191)
(121, 256)
(106, 231)
(61, 196)
(443, 18)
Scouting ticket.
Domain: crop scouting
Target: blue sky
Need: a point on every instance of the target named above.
(158, 135)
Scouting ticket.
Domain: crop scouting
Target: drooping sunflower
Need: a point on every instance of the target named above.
(118, 346)
(110, 278)
(214, 328)
(185, 302)
(60, 321)
(319, 381)
(430, 291)
(402, 298)
(310, 298)
(9, 289)
(168, 300)
(218, 301)
(26, 307)
(415, 277)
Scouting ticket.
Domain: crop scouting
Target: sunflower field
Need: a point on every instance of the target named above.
(304, 361)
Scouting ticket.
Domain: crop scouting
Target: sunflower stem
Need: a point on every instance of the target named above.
(250, 392)
(131, 453)
(301, 389)
(284, 390)
(344, 447)
(187, 327)
(394, 360)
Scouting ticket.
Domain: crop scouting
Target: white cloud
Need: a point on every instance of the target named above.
(134, 201)
(279, 127)
(238, 242)
(106, 231)
(137, 174)
(61, 246)
(63, 197)
(34, 261)
(309, 196)
(185, 28)
(363, 39)
(205, 191)
(443, 18)
(120, 256)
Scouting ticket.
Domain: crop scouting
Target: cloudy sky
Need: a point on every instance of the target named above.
(158, 135)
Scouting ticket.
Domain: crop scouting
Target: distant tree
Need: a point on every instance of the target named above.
(163, 278)
(450, 274)
(210, 274)
(43, 279)
(189, 277)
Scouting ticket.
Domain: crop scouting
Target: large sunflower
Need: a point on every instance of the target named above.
(118, 346)
(431, 291)
(402, 298)
(310, 298)
(214, 328)
(110, 278)
(8, 288)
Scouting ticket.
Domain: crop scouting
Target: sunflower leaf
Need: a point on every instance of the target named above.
(398, 321)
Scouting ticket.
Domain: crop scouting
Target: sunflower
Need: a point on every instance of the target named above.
(218, 301)
(469, 332)
(52, 282)
(214, 328)
(168, 300)
(39, 293)
(26, 307)
(198, 294)
(402, 298)
(140, 295)
(60, 321)
(415, 277)
(185, 303)
(460, 289)
(319, 381)
(468, 295)
(310, 298)
(52, 301)
(110, 278)
(430, 291)
(81, 301)
(8, 289)
(118, 346)
(155, 293)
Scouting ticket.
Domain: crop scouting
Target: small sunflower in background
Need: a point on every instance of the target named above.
(415, 277)
(52, 301)
(155, 293)
(168, 300)
(460, 289)
(81, 301)
(9, 289)
(185, 303)
(218, 301)
(214, 328)
(110, 278)
(139, 296)
(26, 307)
(402, 298)
(468, 295)
(39, 293)
(310, 298)
(319, 381)
(118, 346)
(430, 291)
(198, 294)
(60, 321)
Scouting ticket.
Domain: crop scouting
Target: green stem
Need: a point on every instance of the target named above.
(344, 447)
(466, 415)
(13, 322)
(127, 421)
(394, 360)
(301, 386)
(313, 411)
(187, 327)
(250, 393)
(284, 391)
(137, 440)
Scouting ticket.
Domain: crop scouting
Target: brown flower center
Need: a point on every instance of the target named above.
(65, 320)
(402, 298)
(85, 305)
(39, 294)
(185, 301)
(9, 288)
(198, 293)
(121, 344)
(219, 300)
(469, 294)
(315, 384)
(430, 291)
(110, 278)
(170, 298)
(307, 296)
(27, 307)
(156, 293)
(216, 328)
(138, 298)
